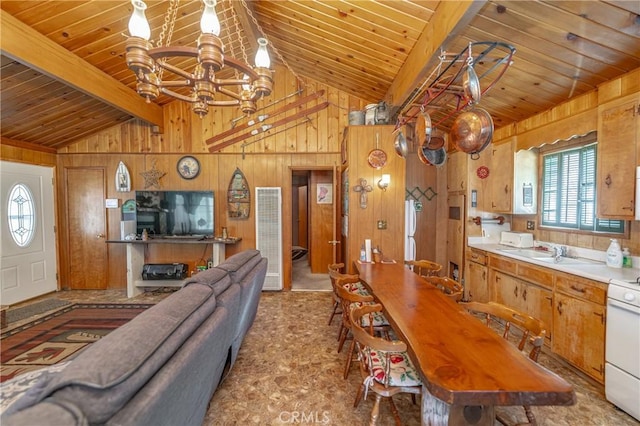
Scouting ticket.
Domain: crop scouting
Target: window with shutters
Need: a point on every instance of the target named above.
(569, 191)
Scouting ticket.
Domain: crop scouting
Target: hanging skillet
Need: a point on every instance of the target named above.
(400, 144)
(472, 131)
(377, 158)
(471, 83)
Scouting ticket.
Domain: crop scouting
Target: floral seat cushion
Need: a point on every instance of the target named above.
(357, 288)
(401, 371)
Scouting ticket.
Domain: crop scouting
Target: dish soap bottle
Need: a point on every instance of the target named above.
(626, 258)
(363, 254)
(614, 254)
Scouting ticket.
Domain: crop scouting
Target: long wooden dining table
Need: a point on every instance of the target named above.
(466, 368)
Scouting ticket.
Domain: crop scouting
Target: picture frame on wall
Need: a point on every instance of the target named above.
(324, 193)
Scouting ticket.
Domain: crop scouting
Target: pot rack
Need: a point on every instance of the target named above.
(443, 96)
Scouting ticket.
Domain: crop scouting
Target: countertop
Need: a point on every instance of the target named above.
(596, 270)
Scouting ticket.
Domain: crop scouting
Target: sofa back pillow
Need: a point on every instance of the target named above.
(240, 264)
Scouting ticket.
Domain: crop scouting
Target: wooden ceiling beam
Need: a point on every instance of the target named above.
(449, 20)
(27, 46)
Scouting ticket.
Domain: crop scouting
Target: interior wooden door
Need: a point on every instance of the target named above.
(87, 228)
(303, 214)
(321, 225)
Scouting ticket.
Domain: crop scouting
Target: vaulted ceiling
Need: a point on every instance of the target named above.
(63, 73)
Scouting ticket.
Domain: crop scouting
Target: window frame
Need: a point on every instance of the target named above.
(576, 143)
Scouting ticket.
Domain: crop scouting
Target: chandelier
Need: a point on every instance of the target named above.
(200, 85)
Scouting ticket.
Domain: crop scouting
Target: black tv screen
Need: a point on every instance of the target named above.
(180, 213)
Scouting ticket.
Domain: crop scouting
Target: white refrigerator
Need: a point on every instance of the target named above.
(410, 222)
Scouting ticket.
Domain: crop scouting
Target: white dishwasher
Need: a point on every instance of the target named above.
(622, 367)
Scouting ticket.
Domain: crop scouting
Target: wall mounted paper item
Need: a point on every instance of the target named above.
(123, 178)
(238, 196)
(324, 194)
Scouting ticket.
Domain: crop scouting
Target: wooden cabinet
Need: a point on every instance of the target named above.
(579, 319)
(457, 171)
(618, 139)
(476, 280)
(382, 220)
(500, 180)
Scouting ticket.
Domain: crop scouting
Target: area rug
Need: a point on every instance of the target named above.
(18, 314)
(58, 336)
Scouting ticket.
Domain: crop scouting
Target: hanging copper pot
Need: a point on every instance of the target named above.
(472, 131)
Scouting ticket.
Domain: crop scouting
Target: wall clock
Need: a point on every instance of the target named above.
(188, 167)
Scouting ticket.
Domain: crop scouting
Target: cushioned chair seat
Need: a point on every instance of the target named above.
(357, 288)
(401, 373)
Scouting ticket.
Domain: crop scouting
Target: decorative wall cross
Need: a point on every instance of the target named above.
(363, 188)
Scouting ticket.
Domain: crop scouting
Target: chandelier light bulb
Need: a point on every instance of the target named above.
(246, 86)
(138, 25)
(262, 55)
(209, 23)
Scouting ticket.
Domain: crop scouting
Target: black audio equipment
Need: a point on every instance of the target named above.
(165, 271)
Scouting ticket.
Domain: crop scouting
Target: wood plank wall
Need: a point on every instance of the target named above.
(266, 160)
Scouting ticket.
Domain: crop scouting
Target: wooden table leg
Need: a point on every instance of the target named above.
(438, 413)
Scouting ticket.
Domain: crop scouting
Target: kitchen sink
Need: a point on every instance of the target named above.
(569, 261)
(531, 253)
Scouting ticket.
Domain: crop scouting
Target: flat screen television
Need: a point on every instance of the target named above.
(175, 213)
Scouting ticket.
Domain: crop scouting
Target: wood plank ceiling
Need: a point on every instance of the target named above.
(377, 50)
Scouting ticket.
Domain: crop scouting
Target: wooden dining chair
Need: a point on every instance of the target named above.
(424, 268)
(384, 364)
(452, 288)
(350, 300)
(528, 336)
(335, 267)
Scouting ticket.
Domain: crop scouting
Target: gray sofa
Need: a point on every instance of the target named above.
(162, 367)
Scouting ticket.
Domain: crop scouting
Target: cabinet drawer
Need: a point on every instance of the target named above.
(582, 288)
(540, 276)
(477, 256)
(503, 264)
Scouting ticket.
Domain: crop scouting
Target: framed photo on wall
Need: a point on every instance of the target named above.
(324, 193)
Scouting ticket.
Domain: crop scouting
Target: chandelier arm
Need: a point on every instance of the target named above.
(179, 96)
(182, 73)
(229, 93)
(222, 103)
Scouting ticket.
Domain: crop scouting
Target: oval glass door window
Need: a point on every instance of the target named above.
(21, 215)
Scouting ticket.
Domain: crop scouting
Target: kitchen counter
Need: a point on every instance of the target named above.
(594, 270)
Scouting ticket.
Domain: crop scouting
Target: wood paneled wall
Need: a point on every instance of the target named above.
(266, 160)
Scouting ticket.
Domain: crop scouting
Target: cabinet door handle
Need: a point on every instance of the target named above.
(601, 315)
(578, 289)
(607, 180)
(515, 291)
(506, 189)
(524, 295)
(559, 308)
(484, 275)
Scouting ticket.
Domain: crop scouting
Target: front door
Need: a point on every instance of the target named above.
(28, 267)
(87, 228)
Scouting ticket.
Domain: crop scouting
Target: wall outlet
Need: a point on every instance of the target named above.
(531, 225)
(382, 224)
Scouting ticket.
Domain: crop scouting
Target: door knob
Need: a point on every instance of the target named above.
(100, 236)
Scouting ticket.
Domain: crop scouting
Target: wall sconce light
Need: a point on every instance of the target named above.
(384, 182)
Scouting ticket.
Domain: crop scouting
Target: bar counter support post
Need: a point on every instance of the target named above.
(436, 412)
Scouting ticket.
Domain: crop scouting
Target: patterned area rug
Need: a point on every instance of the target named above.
(18, 314)
(56, 337)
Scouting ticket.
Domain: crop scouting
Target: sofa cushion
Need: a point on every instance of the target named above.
(217, 279)
(127, 357)
(47, 412)
(240, 264)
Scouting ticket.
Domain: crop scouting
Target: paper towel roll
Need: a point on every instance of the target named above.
(367, 250)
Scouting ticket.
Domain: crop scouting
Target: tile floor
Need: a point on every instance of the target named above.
(289, 372)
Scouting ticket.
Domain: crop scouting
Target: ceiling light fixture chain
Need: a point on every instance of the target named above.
(198, 79)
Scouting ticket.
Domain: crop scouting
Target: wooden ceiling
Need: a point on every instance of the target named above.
(63, 73)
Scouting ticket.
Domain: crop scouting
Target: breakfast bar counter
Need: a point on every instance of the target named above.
(466, 368)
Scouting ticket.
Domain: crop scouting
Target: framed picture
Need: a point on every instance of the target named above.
(324, 193)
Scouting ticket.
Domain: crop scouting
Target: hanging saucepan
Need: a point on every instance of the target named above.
(432, 157)
(437, 141)
(471, 84)
(472, 131)
(400, 145)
